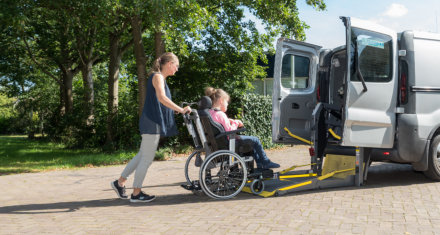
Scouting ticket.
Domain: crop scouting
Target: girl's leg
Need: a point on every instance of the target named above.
(259, 154)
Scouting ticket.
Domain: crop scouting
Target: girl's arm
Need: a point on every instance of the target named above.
(236, 122)
(221, 118)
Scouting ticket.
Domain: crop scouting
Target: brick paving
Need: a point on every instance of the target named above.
(395, 200)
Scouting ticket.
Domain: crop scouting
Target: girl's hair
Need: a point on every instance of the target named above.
(162, 60)
(216, 94)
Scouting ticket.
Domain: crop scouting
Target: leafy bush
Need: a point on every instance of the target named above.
(257, 116)
(7, 113)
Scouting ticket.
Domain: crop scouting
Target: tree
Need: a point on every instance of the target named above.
(119, 42)
(224, 52)
(216, 46)
(89, 25)
(153, 17)
(47, 36)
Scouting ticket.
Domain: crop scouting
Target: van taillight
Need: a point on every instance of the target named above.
(403, 82)
(403, 91)
(318, 94)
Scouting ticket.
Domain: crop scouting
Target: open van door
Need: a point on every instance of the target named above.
(371, 91)
(294, 93)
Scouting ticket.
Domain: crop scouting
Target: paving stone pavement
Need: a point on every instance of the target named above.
(395, 200)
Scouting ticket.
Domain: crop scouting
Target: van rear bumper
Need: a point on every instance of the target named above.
(411, 138)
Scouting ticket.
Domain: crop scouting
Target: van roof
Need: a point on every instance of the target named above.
(424, 35)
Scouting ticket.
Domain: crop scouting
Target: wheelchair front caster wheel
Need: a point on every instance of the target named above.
(257, 186)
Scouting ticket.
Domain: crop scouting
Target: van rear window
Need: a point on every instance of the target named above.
(295, 71)
(373, 53)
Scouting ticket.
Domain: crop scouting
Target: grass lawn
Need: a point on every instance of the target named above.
(18, 154)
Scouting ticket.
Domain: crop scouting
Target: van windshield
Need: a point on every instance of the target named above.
(374, 55)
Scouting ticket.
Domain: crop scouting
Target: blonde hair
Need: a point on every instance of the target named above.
(162, 60)
(216, 94)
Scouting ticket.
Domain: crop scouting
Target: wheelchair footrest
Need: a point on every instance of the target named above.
(248, 158)
(194, 186)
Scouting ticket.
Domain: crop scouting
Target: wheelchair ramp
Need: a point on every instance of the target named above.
(338, 171)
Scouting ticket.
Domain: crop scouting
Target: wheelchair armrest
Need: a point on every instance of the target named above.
(229, 133)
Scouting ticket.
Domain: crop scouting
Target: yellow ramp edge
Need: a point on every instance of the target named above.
(263, 194)
(297, 176)
(296, 185)
(294, 167)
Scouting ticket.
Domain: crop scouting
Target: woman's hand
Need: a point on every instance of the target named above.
(240, 123)
(186, 109)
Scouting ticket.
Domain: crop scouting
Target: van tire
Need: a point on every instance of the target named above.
(433, 171)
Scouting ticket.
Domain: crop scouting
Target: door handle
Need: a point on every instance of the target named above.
(295, 106)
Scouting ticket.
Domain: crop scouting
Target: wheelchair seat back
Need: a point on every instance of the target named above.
(211, 128)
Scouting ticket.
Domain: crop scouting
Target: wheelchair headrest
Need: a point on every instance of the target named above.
(205, 103)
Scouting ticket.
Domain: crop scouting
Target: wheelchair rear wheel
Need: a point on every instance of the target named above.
(223, 175)
(192, 167)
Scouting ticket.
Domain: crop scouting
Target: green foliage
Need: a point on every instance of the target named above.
(163, 153)
(257, 117)
(216, 46)
(7, 114)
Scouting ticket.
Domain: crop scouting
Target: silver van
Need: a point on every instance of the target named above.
(379, 92)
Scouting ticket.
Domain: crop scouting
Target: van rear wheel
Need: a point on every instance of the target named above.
(433, 171)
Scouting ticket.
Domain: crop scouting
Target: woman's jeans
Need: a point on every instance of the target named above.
(259, 155)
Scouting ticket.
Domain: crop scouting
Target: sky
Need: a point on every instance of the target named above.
(328, 31)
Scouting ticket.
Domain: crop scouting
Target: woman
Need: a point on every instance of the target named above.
(157, 120)
(220, 101)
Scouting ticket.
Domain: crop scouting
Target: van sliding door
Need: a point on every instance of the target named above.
(371, 91)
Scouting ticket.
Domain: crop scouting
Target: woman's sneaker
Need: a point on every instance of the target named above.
(120, 191)
(142, 197)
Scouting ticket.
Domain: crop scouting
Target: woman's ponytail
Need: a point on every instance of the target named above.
(156, 66)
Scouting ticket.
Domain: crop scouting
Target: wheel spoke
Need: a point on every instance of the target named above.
(226, 179)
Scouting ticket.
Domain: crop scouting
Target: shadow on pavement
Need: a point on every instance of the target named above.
(59, 207)
(393, 174)
(65, 207)
(381, 175)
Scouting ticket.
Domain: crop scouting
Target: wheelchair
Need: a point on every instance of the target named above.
(221, 164)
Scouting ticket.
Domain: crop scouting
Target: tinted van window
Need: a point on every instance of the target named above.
(373, 53)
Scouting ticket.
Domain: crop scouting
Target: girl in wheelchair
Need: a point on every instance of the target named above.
(220, 100)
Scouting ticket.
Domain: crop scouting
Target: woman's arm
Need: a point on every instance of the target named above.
(159, 86)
